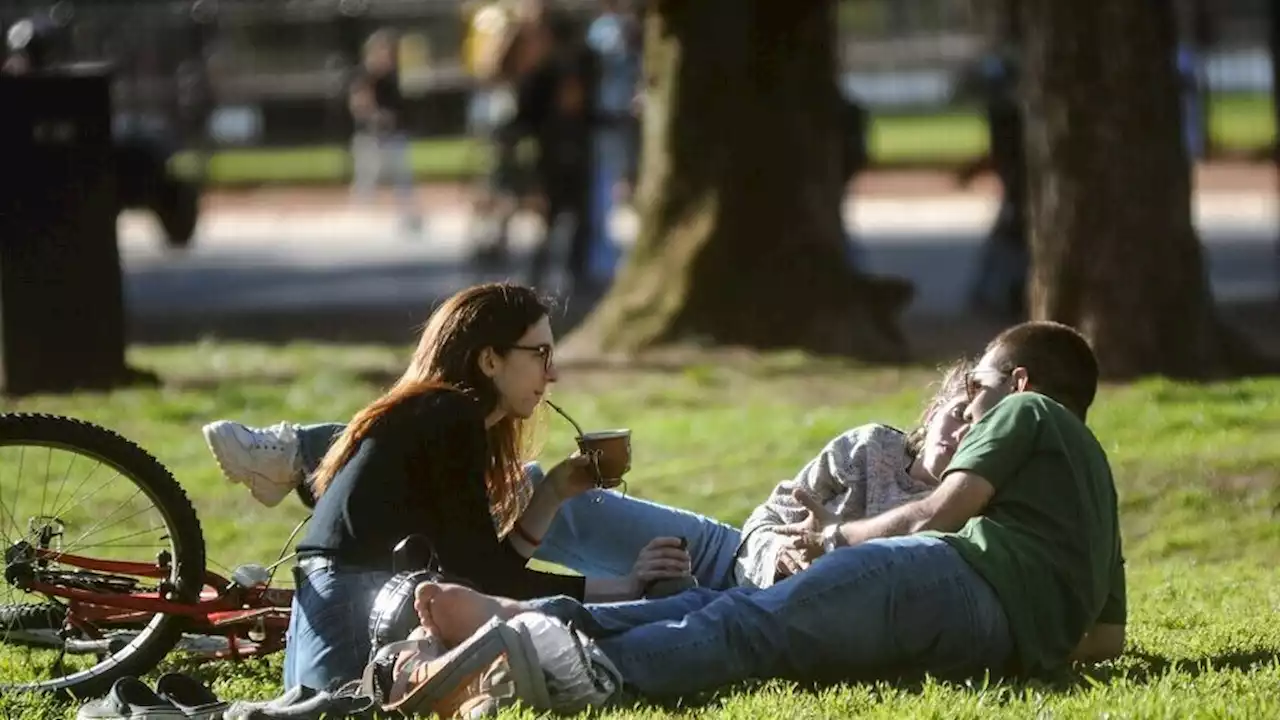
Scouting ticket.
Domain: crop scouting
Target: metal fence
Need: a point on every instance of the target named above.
(908, 54)
(271, 72)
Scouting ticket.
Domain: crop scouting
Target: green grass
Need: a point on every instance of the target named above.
(1197, 468)
(1238, 123)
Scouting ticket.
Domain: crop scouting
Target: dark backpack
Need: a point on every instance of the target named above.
(393, 616)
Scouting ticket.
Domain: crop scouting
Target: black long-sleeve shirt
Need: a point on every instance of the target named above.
(421, 469)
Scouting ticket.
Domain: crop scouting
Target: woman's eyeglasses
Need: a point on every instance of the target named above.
(544, 351)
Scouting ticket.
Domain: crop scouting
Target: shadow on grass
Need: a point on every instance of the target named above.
(1143, 668)
(933, 340)
(1135, 668)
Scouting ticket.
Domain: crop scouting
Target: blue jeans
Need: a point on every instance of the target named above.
(611, 149)
(600, 533)
(880, 610)
(375, 156)
(328, 641)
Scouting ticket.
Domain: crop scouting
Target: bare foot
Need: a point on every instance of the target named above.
(423, 596)
(455, 612)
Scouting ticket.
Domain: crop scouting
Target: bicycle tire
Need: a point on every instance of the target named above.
(31, 617)
(168, 497)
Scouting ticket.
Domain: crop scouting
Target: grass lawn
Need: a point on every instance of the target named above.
(1197, 466)
(1237, 123)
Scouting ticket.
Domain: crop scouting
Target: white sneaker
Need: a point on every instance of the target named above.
(266, 460)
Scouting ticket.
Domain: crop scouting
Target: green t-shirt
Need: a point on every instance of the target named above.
(1049, 540)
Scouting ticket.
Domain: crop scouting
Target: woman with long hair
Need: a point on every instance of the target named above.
(439, 455)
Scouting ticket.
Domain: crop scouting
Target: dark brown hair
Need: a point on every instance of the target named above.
(1059, 361)
(951, 386)
(493, 316)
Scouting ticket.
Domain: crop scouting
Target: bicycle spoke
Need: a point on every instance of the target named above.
(99, 525)
(66, 474)
(44, 486)
(77, 502)
(112, 543)
(17, 529)
(22, 454)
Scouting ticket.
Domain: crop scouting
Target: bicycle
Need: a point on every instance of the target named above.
(98, 615)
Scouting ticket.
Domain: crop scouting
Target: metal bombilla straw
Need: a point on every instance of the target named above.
(565, 415)
(595, 461)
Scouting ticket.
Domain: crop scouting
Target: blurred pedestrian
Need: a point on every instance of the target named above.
(999, 288)
(381, 143)
(613, 37)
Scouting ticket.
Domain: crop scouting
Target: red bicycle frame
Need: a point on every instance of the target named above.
(224, 608)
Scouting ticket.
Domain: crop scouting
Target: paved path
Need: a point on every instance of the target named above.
(272, 265)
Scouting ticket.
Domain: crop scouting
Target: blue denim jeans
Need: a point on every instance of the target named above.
(883, 609)
(377, 156)
(328, 640)
(611, 146)
(600, 533)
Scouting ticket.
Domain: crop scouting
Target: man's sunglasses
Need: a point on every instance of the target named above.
(973, 386)
(544, 351)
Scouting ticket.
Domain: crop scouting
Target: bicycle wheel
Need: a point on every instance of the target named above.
(133, 512)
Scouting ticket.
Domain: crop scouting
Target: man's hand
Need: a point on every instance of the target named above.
(805, 537)
(961, 496)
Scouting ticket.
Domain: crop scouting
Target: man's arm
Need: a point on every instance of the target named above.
(1103, 641)
(993, 451)
(961, 496)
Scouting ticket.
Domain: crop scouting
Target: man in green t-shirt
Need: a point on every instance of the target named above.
(1012, 565)
(1047, 540)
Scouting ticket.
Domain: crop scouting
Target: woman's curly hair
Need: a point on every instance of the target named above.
(952, 385)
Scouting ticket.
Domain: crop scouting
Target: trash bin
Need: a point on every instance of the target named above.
(61, 291)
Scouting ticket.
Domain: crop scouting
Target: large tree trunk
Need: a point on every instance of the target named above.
(739, 197)
(1114, 249)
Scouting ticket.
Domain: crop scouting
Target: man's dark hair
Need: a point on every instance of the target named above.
(1058, 360)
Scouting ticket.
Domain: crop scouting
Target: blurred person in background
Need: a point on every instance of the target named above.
(565, 166)
(553, 76)
(492, 28)
(380, 143)
(856, 157)
(999, 288)
(615, 38)
(511, 47)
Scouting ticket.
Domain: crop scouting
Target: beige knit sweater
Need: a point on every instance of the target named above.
(859, 474)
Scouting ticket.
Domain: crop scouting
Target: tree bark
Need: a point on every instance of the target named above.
(1114, 250)
(741, 239)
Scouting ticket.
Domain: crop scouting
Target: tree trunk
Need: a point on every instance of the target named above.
(1114, 250)
(741, 239)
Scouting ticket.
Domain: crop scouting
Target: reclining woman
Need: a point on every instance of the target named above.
(861, 473)
(437, 455)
